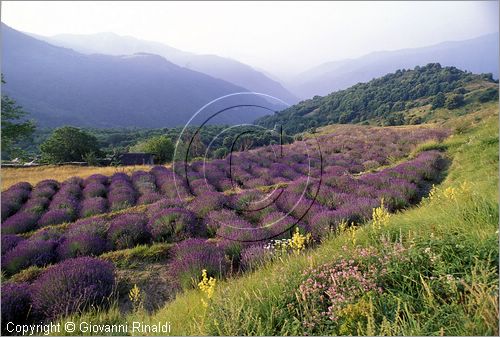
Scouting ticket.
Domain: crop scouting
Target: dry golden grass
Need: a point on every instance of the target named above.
(11, 175)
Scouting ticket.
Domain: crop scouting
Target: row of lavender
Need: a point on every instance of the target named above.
(349, 150)
(190, 224)
(25, 208)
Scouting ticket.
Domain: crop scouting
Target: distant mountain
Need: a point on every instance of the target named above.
(478, 55)
(219, 67)
(387, 100)
(60, 86)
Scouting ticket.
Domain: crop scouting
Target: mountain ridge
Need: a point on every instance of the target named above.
(60, 86)
(224, 68)
(479, 55)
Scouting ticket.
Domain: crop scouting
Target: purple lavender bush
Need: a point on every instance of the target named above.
(236, 235)
(73, 286)
(201, 186)
(13, 199)
(85, 244)
(149, 198)
(29, 253)
(173, 224)
(36, 205)
(49, 233)
(191, 256)
(65, 200)
(128, 230)
(55, 217)
(278, 225)
(326, 222)
(10, 241)
(144, 182)
(45, 191)
(209, 201)
(48, 182)
(93, 206)
(16, 303)
(93, 226)
(21, 222)
(95, 178)
(216, 219)
(164, 204)
(94, 189)
(121, 193)
(254, 257)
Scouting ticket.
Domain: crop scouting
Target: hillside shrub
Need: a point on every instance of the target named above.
(29, 253)
(20, 223)
(72, 286)
(191, 256)
(172, 224)
(55, 217)
(93, 206)
(127, 231)
(9, 241)
(16, 303)
(85, 244)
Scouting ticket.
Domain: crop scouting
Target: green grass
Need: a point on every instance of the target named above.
(257, 303)
(130, 258)
(443, 237)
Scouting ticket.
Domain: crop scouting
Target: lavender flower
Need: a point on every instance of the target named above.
(191, 256)
(254, 256)
(93, 206)
(85, 244)
(16, 303)
(207, 202)
(128, 230)
(172, 224)
(10, 241)
(29, 253)
(55, 217)
(20, 223)
(95, 178)
(72, 286)
(94, 189)
(148, 198)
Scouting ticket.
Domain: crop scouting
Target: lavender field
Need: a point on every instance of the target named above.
(279, 168)
(220, 218)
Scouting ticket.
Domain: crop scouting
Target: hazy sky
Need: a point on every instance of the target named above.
(281, 37)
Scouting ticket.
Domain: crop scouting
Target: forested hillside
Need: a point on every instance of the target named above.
(386, 100)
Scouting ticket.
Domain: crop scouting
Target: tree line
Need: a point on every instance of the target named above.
(21, 139)
(384, 99)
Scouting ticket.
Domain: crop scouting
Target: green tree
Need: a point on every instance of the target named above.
(220, 153)
(161, 146)
(69, 144)
(14, 127)
(438, 101)
(455, 101)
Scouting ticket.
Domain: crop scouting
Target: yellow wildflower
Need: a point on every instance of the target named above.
(135, 296)
(299, 241)
(352, 231)
(433, 192)
(380, 216)
(207, 286)
(450, 193)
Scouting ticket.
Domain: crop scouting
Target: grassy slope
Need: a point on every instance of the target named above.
(253, 304)
(463, 232)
